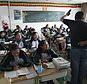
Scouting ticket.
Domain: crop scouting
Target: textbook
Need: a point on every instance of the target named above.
(61, 63)
(13, 74)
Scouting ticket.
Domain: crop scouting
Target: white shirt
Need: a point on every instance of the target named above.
(35, 44)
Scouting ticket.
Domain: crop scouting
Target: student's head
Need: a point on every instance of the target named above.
(32, 30)
(55, 26)
(18, 36)
(34, 35)
(17, 26)
(14, 49)
(26, 26)
(79, 15)
(44, 45)
(2, 34)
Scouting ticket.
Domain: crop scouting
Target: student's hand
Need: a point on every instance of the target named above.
(44, 65)
(16, 67)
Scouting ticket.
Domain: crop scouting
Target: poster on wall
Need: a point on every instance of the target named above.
(17, 15)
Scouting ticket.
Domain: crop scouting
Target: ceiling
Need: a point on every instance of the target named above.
(52, 1)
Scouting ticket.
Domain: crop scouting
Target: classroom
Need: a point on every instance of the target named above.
(43, 41)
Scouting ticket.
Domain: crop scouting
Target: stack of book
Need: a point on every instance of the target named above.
(61, 63)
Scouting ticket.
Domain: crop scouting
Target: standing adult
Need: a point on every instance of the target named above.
(78, 53)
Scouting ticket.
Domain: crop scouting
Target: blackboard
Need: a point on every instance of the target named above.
(41, 16)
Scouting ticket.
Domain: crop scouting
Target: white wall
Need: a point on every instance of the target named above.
(3, 15)
(37, 26)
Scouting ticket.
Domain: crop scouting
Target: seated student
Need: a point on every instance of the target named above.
(2, 46)
(19, 40)
(18, 29)
(15, 59)
(29, 32)
(34, 42)
(9, 34)
(44, 53)
(25, 30)
(3, 38)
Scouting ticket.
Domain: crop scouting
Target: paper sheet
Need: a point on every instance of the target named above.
(32, 74)
(10, 74)
(23, 71)
(13, 74)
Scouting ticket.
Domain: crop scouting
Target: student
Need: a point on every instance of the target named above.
(34, 42)
(29, 33)
(78, 54)
(14, 59)
(3, 38)
(9, 34)
(18, 29)
(46, 33)
(18, 39)
(44, 53)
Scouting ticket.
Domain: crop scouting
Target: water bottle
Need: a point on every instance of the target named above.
(39, 67)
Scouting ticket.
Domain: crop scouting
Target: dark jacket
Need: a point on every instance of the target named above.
(5, 63)
(37, 55)
(19, 43)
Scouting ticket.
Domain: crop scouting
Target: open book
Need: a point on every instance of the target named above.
(61, 63)
(13, 74)
(23, 71)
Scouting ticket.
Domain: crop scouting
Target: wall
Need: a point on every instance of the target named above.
(7, 13)
(3, 15)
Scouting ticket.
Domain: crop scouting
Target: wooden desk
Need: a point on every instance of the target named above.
(47, 74)
(21, 79)
(51, 74)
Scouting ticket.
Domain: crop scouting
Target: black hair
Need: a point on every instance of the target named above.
(17, 26)
(42, 42)
(13, 46)
(79, 15)
(32, 36)
(34, 33)
(17, 32)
